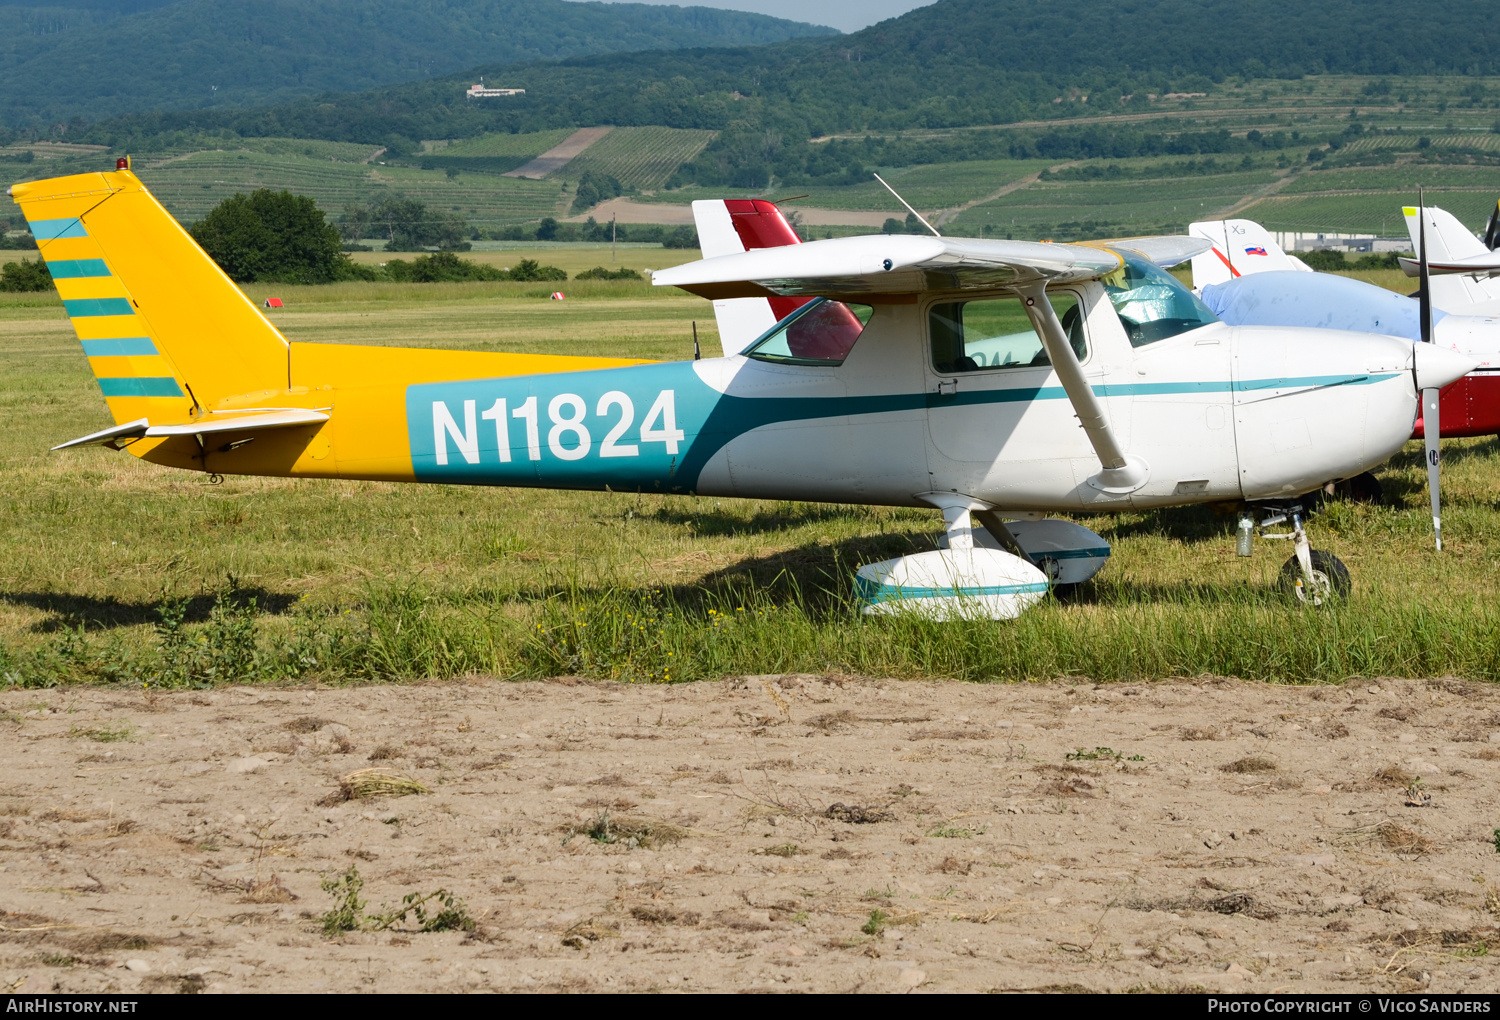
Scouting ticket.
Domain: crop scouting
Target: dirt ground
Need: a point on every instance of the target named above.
(768, 833)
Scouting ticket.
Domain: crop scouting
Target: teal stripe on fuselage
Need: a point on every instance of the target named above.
(119, 347)
(82, 308)
(145, 386)
(872, 591)
(708, 419)
(1095, 553)
(52, 230)
(77, 269)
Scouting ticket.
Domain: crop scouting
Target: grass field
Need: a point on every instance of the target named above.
(110, 568)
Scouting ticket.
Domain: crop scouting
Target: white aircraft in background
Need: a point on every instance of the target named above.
(1032, 378)
(1245, 280)
(1463, 267)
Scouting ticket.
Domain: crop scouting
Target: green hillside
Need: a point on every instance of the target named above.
(58, 62)
(995, 116)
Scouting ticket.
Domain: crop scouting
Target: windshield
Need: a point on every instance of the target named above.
(821, 332)
(1153, 304)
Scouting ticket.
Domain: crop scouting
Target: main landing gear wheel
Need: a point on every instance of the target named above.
(1330, 579)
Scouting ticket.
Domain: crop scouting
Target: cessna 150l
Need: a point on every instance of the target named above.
(989, 379)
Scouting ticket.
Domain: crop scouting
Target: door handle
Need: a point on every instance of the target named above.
(947, 387)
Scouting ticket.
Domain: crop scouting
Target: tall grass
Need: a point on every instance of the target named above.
(666, 635)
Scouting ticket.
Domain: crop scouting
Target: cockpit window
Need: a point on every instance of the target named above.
(972, 336)
(821, 332)
(1152, 304)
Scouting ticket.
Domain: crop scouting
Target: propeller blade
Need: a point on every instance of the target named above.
(1431, 428)
(1430, 434)
(1424, 277)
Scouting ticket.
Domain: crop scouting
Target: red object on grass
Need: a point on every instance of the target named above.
(274, 302)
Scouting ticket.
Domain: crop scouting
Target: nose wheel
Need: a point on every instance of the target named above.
(1327, 578)
(1311, 576)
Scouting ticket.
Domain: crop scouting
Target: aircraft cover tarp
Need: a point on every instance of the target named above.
(1319, 300)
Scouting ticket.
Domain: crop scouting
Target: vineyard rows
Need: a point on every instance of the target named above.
(1402, 178)
(1487, 141)
(1371, 213)
(1129, 206)
(527, 145)
(191, 185)
(640, 158)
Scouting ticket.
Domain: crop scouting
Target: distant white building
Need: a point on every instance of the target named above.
(482, 91)
(1300, 241)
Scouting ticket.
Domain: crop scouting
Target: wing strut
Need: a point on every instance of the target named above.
(1121, 474)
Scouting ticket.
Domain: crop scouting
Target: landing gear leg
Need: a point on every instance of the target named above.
(1303, 549)
(1311, 576)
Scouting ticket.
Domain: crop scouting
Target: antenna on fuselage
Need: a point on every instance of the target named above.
(697, 354)
(909, 209)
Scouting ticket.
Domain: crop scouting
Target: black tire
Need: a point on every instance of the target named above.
(1362, 488)
(1330, 576)
(1366, 488)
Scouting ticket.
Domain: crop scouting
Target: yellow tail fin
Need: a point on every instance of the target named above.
(163, 328)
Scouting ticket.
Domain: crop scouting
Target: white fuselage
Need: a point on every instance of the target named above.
(1217, 413)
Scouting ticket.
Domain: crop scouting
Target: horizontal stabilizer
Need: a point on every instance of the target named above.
(129, 430)
(246, 420)
(1166, 251)
(1487, 264)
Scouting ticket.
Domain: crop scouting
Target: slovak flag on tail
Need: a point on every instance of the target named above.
(1256, 251)
(733, 226)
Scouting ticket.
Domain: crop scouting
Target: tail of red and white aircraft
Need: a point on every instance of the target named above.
(1240, 248)
(729, 227)
(1449, 240)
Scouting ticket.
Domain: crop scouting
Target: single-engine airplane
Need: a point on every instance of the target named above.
(996, 380)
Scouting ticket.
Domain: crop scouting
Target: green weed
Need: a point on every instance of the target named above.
(434, 911)
(105, 735)
(876, 922)
(1101, 754)
(950, 832)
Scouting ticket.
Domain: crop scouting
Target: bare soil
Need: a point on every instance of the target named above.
(764, 833)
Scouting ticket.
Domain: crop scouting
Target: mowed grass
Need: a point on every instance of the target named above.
(112, 570)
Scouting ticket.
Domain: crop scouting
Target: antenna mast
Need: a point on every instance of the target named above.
(920, 218)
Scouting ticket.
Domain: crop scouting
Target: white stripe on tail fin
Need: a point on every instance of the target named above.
(732, 226)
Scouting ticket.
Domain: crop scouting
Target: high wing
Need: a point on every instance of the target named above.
(908, 264)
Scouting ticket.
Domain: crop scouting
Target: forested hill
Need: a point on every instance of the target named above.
(953, 63)
(98, 58)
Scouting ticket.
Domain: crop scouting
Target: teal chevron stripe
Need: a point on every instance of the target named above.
(52, 230)
(77, 269)
(80, 308)
(119, 347)
(150, 386)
